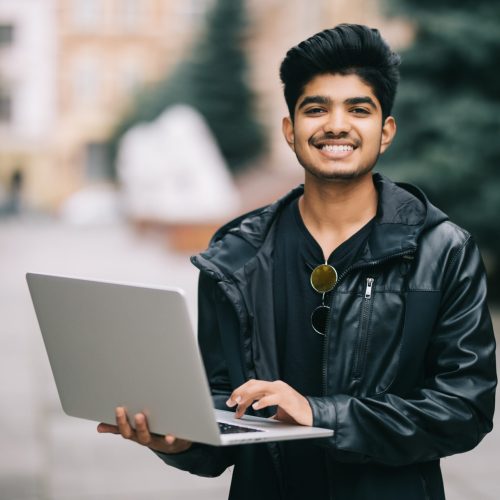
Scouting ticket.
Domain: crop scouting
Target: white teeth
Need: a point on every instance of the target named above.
(334, 148)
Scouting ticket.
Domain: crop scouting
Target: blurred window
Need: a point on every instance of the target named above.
(5, 106)
(97, 164)
(195, 8)
(86, 81)
(6, 35)
(131, 13)
(192, 12)
(86, 13)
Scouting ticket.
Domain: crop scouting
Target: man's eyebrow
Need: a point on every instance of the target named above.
(361, 100)
(326, 101)
(315, 99)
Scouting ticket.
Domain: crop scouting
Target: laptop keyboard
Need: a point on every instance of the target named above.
(234, 429)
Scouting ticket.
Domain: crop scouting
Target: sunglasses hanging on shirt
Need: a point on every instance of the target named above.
(323, 280)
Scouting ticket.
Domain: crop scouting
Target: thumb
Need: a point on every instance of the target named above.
(170, 439)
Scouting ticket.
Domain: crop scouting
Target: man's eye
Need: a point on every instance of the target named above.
(314, 111)
(360, 111)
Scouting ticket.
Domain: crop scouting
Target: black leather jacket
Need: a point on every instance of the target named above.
(408, 367)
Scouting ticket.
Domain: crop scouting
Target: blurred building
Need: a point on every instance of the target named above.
(69, 69)
(27, 91)
(107, 50)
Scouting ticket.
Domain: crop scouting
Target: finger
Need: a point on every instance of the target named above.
(169, 439)
(107, 428)
(240, 411)
(239, 393)
(123, 424)
(251, 390)
(264, 402)
(246, 402)
(233, 400)
(142, 430)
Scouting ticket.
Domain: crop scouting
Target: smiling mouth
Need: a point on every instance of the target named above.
(331, 145)
(336, 148)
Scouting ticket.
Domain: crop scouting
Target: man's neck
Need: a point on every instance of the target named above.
(334, 211)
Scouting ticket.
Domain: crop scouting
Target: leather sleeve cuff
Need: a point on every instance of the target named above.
(324, 412)
(199, 459)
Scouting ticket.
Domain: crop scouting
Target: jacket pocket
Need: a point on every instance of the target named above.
(363, 330)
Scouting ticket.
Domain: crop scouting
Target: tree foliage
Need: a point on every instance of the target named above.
(213, 79)
(448, 114)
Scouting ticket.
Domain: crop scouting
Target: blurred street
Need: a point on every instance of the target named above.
(45, 455)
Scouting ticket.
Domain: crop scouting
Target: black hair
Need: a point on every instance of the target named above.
(345, 49)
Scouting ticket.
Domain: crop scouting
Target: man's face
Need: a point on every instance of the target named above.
(338, 131)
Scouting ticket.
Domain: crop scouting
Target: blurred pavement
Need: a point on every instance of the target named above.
(45, 455)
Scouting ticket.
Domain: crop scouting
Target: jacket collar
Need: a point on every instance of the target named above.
(403, 213)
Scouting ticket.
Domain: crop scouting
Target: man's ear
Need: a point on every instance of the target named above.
(388, 132)
(287, 127)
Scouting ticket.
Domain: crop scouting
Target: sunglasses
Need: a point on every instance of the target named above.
(323, 280)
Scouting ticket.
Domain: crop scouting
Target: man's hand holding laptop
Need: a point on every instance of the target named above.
(141, 434)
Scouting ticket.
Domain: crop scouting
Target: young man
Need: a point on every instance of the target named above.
(352, 303)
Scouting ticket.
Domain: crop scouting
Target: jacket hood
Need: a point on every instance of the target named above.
(403, 214)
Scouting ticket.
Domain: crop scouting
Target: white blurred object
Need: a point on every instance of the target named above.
(172, 170)
(94, 205)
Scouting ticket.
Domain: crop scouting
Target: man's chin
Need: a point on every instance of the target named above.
(339, 176)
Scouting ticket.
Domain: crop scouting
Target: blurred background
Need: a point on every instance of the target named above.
(131, 129)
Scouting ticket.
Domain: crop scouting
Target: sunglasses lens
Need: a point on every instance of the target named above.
(319, 319)
(323, 278)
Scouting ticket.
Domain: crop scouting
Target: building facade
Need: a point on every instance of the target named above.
(70, 68)
(27, 91)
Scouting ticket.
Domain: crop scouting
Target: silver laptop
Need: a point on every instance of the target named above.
(112, 344)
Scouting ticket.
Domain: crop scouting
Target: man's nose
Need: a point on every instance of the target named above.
(337, 122)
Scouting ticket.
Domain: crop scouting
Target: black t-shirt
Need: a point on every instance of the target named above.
(296, 254)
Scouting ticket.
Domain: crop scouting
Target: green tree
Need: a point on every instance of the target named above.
(448, 114)
(213, 79)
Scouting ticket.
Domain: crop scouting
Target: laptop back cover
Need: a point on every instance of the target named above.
(114, 345)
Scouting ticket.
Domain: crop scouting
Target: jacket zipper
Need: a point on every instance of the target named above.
(369, 286)
(362, 345)
(368, 290)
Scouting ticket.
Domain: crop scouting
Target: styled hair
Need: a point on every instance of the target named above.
(346, 49)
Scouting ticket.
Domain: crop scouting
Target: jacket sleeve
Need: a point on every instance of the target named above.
(453, 408)
(201, 459)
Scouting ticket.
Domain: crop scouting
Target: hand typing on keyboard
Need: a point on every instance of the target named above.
(292, 407)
